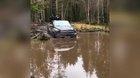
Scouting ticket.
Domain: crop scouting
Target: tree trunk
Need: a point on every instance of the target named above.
(88, 10)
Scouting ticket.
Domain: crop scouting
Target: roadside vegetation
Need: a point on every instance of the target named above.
(85, 11)
(83, 27)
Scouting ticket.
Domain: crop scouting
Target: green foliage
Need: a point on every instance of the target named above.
(86, 11)
(36, 7)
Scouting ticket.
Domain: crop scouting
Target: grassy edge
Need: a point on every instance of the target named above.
(82, 27)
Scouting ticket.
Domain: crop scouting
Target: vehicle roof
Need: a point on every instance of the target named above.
(62, 24)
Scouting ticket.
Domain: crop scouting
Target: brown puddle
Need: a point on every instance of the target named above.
(84, 57)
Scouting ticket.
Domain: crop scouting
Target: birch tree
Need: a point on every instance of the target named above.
(87, 11)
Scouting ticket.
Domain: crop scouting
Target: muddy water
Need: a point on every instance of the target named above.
(84, 57)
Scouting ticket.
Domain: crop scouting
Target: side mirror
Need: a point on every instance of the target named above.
(51, 26)
(72, 25)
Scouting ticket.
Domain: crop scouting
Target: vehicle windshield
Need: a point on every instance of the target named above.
(62, 25)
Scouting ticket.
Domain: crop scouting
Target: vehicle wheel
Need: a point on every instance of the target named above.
(74, 36)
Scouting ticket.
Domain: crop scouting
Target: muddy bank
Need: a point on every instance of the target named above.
(39, 32)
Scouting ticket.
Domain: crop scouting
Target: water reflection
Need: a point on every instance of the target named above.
(85, 57)
(63, 44)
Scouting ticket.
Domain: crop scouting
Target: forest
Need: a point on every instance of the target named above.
(94, 12)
